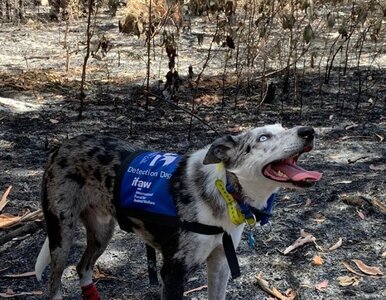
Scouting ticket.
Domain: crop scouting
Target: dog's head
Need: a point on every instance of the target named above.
(268, 154)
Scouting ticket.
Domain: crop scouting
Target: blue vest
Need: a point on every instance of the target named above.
(142, 189)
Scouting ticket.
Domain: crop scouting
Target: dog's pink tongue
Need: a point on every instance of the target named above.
(297, 173)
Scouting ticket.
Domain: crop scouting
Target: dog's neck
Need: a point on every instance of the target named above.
(253, 192)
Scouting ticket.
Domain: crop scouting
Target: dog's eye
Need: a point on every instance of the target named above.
(264, 138)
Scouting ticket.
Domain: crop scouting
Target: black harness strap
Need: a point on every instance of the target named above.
(201, 228)
(229, 249)
(230, 254)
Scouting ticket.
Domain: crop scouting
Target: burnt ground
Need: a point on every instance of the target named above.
(350, 151)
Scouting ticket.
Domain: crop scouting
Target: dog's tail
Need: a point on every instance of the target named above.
(43, 260)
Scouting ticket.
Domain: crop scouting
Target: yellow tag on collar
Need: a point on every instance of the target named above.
(234, 212)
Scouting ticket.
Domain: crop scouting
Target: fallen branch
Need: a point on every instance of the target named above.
(28, 228)
(21, 275)
(302, 240)
(11, 294)
(7, 220)
(381, 207)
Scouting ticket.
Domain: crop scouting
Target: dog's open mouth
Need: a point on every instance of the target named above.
(287, 170)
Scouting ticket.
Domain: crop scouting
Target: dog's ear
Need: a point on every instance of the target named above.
(220, 150)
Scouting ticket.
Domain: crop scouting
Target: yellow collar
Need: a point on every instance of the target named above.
(234, 212)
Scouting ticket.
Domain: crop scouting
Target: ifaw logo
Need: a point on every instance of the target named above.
(167, 158)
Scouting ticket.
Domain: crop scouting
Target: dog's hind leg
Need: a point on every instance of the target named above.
(100, 228)
(60, 229)
(218, 274)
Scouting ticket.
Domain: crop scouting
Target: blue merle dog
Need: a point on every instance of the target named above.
(78, 184)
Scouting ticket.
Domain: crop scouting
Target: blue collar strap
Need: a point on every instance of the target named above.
(248, 211)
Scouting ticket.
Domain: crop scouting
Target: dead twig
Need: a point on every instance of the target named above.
(197, 289)
(302, 240)
(28, 228)
(4, 201)
(353, 161)
(186, 111)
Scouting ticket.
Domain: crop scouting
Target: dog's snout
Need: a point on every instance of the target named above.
(307, 133)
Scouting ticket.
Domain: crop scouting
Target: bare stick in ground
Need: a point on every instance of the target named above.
(82, 94)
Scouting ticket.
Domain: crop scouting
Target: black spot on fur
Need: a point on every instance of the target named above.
(93, 151)
(76, 178)
(123, 154)
(62, 217)
(110, 144)
(105, 159)
(248, 149)
(176, 182)
(63, 163)
(97, 175)
(109, 182)
(117, 168)
(52, 221)
(200, 180)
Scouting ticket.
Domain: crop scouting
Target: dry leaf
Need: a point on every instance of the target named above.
(348, 267)
(321, 285)
(381, 137)
(291, 294)
(21, 275)
(317, 260)
(347, 280)
(319, 218)
(264, 285)
(336, 245)
(361, 215)
(375, 271)
(98, 274)
(54, 121)
(4, 201)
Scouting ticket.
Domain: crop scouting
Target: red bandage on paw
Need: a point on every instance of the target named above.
(90, 292)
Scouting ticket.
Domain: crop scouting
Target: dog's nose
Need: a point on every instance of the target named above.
(307, 133)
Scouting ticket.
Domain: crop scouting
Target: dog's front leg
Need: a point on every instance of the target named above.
(218, 274)
(218, 268)
(173, 273)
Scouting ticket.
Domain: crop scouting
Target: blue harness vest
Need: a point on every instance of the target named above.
(144, 186)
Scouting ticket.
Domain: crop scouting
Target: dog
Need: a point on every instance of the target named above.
(78, 184)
